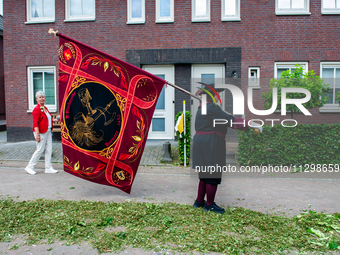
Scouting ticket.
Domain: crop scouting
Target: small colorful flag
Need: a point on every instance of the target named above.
(180, 124)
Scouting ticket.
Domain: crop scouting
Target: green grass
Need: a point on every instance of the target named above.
(111, 227)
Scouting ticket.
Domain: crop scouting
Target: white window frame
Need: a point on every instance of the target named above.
(2, 7)
(236, 17)
(329, 107)
(69, 18)
(30, 70)
(129, 14)
(289, 65)
(256, 82)
(335, 10)
(32, 20)
(160, 19)
(195, 18)
(292, 11)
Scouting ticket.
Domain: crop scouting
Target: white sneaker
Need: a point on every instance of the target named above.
(51, 171)
(30, 171)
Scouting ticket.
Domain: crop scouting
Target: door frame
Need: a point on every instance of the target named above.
(169, 102)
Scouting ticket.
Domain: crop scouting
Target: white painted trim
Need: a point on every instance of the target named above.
(255, 83)
(69, 18)
(195, 18)
(169, 112)
(329, 107)
(129, 14)
(329, 10)
(289, 65)
(160, 19)
(292, 11)
(30, 69)
(32, 20)
(236, 17)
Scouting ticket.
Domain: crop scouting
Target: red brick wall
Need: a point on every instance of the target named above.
(2, 86)
(263, 37)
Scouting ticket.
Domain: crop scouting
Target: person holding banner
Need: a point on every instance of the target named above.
(209, 147)
(42, 131)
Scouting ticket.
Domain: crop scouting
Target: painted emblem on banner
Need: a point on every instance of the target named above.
(92, 116)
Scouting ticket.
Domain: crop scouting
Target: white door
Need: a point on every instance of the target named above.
(162, 124)
(206, 73)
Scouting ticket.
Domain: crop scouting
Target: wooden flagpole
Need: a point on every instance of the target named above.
(184, 91)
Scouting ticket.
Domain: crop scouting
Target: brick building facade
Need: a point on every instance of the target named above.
(257, 38)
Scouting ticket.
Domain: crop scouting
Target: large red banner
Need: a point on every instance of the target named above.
(106, 109)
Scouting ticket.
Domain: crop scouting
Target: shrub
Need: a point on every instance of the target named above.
(303, 144)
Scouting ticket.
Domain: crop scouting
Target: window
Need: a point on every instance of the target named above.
(40, 11)
(330, 72)
(254, 76)
(80, 10)
(200, 10)
(284, 66)
(292, 7)
(231, 10)
(136, 11)
(164, 11)
(330, 6)
(42, 78)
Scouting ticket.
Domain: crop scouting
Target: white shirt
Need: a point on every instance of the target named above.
(49, 119)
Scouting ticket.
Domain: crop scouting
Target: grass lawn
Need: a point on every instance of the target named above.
(111, 227)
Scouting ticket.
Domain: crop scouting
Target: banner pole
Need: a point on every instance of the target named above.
(184, 91)
(51, 31)
(185, 145)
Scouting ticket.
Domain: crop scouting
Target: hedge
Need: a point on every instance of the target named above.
(303, 144)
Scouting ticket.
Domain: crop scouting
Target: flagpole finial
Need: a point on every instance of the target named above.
(51, 31)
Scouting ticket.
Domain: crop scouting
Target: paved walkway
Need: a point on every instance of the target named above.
(23, 151)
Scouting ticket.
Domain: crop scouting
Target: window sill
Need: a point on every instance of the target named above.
(292, 13)
(330, 12)
(254, 86)
(39, 22)
(200, 20)
(79, 19)
(135, 22)
(333, 108)
(164, 21)
(51, 109)
(231, 19)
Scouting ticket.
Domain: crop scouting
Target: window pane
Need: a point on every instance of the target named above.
(37, 84)
(36, 8)
(158, 125)
(164, 8)
(49, 87)
(48, 8)
(284, 4)
(230, 7)
(75, 7)
(88, 7)
(161, 100)
(298, 4)
(328, 77)
(208, 78)
(280, 71)
(201, 8)
(337, 83)
(338, 4)
(329, 4)
(136, 8)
